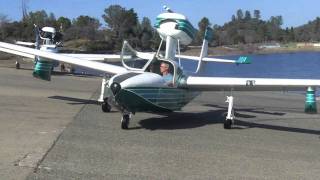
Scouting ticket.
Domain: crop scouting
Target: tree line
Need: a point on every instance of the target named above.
(244, 28)
(123, 24)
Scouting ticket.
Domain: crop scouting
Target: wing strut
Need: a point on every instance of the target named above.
(230, 116)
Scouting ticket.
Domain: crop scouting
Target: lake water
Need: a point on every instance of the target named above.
(301, 65)
(304, 65)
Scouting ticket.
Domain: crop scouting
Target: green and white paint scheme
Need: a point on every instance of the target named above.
(43, 66)
(311, 103)
(138, 86)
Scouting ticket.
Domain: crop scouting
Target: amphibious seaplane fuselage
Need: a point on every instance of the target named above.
(148, 92)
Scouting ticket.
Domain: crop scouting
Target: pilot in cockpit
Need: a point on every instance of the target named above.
(165, 71)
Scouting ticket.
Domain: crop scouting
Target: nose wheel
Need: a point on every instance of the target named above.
(125, 121)
(17, 65)
(105, 106)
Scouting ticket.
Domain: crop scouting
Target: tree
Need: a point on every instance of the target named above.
(85, 21)
(274, 27)
(239, 14)
(83, 27)
(256, 14)
(120, 21)
(3, 22)
(51, 21)
(64, 23)
(24, 9)
(146, 34)
(202, 25)
(247, 16)
(233, 18)
(39, 18)
(317, 25)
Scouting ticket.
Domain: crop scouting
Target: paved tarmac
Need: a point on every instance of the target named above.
(33, 113)
(272, 139)
(52, 131)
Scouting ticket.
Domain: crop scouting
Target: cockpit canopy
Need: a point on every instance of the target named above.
(148, 62)
(50, 36)
(134, 60)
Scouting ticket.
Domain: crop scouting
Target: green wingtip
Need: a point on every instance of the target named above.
(244, 60)
(311, 103)
(42, 70)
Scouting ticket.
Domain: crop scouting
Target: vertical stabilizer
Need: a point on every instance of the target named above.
(208, 35)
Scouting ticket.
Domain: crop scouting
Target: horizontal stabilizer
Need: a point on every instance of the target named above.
(243, 60)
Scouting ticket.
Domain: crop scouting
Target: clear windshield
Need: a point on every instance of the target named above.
(132, 59)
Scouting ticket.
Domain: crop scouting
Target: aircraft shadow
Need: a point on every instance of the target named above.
(252, 110)
(276, 127)
(181, 120)
(74, 101)
(57, 73)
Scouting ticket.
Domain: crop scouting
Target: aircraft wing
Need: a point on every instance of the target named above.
(28, 52)
(25, 43)
(93, 57)
(249, 84)
(11, 51)
(241, 60)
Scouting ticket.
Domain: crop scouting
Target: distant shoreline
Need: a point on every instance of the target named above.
(247, 50)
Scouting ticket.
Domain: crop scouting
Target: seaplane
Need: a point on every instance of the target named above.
(48, 39)
(140, 86)
(51, 40)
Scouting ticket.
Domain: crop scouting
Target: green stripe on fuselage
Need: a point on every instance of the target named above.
(183, 25)
(151, 99)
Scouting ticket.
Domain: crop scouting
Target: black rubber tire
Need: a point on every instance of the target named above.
(17, 65)
(227, 124)
(125, 121)
(105, 107)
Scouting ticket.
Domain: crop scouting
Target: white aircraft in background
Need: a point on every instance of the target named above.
(49, 40)
(138, 86)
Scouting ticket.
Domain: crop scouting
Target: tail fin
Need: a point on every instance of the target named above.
(208, 35)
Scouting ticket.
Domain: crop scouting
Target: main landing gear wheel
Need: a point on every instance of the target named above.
(105, 106)
(17, 65)
(227, 124)
(125, 121)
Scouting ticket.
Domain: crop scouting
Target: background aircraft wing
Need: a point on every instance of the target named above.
(28, 52)
(25, 43)
(249, 84)
(94, 57)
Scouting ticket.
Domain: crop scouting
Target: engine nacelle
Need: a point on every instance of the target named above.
(175, 25)
(43, 67)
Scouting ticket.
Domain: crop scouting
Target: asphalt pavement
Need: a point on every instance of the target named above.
(56, 131)
(272, 139)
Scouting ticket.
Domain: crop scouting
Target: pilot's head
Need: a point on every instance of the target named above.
(164, 68)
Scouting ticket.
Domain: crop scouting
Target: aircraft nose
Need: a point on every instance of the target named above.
(115, 88)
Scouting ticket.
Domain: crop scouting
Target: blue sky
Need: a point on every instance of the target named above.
(294, 12)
